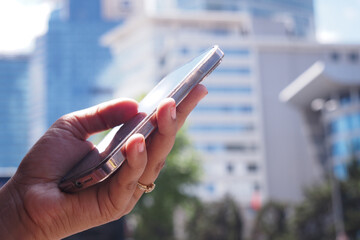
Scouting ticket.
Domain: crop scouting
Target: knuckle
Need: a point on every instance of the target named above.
(160, 166)
(131, 186)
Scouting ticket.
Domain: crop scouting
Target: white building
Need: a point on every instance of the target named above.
(226, 126)
(251, 143)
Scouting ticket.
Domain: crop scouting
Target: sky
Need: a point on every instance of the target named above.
(21, 21)
(337, 20)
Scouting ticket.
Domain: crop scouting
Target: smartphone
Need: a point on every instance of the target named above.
(107, 157)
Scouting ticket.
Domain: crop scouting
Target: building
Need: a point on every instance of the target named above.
(69, 61)
(327, 96)
(233, 127)
(66, 72)
(269, 17)
(14, 112)
(251, 143)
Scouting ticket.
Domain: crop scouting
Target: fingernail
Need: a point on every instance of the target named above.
(141, 146)
(173, 113)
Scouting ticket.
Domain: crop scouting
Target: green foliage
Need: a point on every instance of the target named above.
(216, 220)
(350, 193)
(271, 222)
(313, 218)
(154, 212)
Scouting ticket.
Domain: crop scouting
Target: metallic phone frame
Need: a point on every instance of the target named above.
(88, 177)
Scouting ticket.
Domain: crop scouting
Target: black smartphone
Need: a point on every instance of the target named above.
(108, 156)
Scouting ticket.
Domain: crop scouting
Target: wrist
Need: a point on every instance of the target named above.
(14, 221)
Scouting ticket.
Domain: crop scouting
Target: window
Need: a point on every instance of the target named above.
(236, 52)
(225, 109)
(340, 125)
(210, 188)
(241, 147)
(353, 57)
(233, 70)
(345, 98)
(246, 90)
(252, 167)
(335, 56)
(230, 147)
(355, 121)
(340, 149)
(355, 144)
(340, 171)
(238, 128)
(184, 50)
(230, 168)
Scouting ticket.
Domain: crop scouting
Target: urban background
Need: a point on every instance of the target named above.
(271, 153)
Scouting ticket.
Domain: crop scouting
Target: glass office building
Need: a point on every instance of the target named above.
(296, 15)
(14, 112)
(343, 128)
(329, 97)
(72, 59)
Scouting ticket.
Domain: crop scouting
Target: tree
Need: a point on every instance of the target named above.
(350, 193)
(271, 222)
(154, 212)
(313, 218)
(216, 220)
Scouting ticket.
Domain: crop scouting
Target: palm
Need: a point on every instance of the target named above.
(50, 213)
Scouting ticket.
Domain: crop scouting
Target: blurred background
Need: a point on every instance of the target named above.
(271, 153)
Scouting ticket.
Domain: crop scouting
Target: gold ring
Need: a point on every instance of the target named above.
(146, 188)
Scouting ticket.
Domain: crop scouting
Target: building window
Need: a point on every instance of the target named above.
(226, 109)
(353, 57)
(340, 125)
(335, 56)
(355, 121)
(241, 147)
(210, 188)
(252, 167)
(256, 186)
(234, 70)
(230, 168)
(184, 50)
(235, 128)
(355, 145)
(237, 52)
(345, 98)
(340, 149)
(340, 171)
(244, 90)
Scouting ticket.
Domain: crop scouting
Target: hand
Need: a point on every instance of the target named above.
(33, 207)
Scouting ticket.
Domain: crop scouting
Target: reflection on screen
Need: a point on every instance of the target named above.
(154, 97)
(167, 85)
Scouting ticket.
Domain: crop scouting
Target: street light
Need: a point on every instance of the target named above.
(322, 106)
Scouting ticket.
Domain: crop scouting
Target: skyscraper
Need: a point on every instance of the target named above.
(14, 112)
(269, 17)
(71, 59)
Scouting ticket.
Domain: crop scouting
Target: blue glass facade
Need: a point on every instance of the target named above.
(343, 131)
(301, 11)
(13, 110)
(74, 59)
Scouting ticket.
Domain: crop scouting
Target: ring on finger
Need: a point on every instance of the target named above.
(146, 188)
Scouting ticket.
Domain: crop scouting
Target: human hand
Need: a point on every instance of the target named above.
(33, 207)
